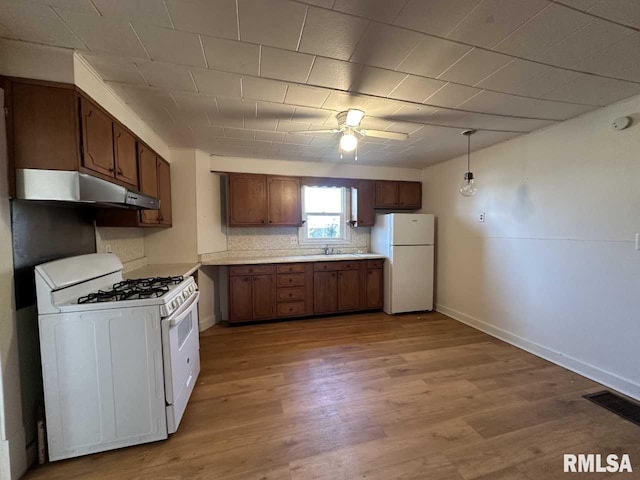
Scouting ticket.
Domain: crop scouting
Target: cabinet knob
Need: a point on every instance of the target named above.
(291, 309)
(270, 221)
(290, 280)
(111, 169)
(119, 171)
(261, 221)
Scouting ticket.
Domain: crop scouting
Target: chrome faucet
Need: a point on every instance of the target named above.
(327, 250)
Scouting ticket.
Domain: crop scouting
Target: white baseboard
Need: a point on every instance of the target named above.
(13, 456)
(206, 322)
(611, 380)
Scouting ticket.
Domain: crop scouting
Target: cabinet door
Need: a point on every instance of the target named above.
(240, 303)
(264, 299)
(365, 215)
(410, 194)
(386, 194)
(45, 127)
(284, 201)
(325, 292)
(374, 288)
(247, 200)
(124, 149)
(97, 139)
(148, 168)
(348, 290)
(164, 191)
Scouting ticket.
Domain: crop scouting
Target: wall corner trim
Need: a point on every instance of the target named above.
(592, 372)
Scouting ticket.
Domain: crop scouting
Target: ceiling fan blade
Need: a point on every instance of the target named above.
(385, 134)
(315, 132)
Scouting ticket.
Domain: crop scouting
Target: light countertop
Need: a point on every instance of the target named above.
(163, 270)
(292, 259)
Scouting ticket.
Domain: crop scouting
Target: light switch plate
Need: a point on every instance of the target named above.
(293, 240)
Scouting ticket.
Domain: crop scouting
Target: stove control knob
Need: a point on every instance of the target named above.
(185, 294)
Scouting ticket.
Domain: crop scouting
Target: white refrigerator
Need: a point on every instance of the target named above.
(408, 241)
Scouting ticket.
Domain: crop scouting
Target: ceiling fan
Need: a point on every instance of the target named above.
(349, 127)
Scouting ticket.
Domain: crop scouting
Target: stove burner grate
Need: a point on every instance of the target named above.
(133, 290)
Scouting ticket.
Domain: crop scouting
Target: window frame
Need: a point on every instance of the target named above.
(303, 231)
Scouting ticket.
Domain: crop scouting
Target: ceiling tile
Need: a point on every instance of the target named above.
(285, 65)
(195, 102)
(380, 107)
(432, 56)
(210, 17)
(585, 42)
(239, 133)
(594, 90)
(514, 73)
(287, 126)
(331, 34)
(416, 89)
(262, 89)
(492, 20)
(547, 28)
(615, 61)
(579, 4)
(209, 131)
(545, 82)
(104, 34)
(226, 119)
(327, 72)
(435, 16)
(217, 83)
(623, 11)
(260, 124)
(306, 96)
(115, 69)
(152, 12)
(171, 46)
(270, 136)
(84, 6)
(297, 139)
(385, 46)
(231, 55)
(474, 67)
(493, 122)
(414, 113)
(234, 107)
(193, 118)
(271, 22)
(166, 75)
(6, 33)
(151, 113)
(381, 10)
(339, 101)
(452, 95)
(311, 115)
(142, 94)
(37, 23)
(376, 81)
(274, 110)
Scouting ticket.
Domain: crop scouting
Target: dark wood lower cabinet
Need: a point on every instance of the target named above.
(265, 292)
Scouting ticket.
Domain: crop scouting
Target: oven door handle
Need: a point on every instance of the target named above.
(183, 311)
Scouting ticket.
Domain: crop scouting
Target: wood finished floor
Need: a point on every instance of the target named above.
(375, 397)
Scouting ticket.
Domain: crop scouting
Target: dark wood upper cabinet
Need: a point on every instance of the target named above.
(363, 203)
(325, 292)
(410, 195)
(164, 191)
(283, 201)
(126, 157)
(348, 290)
(386, 194)
(148, 171)
(44, 123)
(97, 139)
(398, 195)
(247, 200)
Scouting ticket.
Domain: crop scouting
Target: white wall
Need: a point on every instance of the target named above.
(554, 268)
(12, 436)
(211, 231)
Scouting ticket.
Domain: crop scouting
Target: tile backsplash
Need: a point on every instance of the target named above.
(126, 243)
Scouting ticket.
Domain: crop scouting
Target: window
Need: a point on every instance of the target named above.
(324, 211)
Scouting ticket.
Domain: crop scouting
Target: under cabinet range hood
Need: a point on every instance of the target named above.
(70, 186)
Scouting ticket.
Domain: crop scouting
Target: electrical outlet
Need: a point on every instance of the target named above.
(293, 241)
(481, 217)
(107, 248)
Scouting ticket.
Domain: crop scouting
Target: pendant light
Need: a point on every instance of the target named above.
(468, 187)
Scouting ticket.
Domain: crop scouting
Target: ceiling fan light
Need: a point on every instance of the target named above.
(348, 142)
(354, 117)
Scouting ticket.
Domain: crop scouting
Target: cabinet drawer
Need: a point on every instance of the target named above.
(375, 263)
(290, 268)
(290, 280)
(290, 309)
(290, 294)
(334, 266)
(250, 269)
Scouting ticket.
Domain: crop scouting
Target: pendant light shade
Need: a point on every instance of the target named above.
(468, 187)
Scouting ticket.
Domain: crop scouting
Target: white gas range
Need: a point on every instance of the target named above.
(120, 357)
